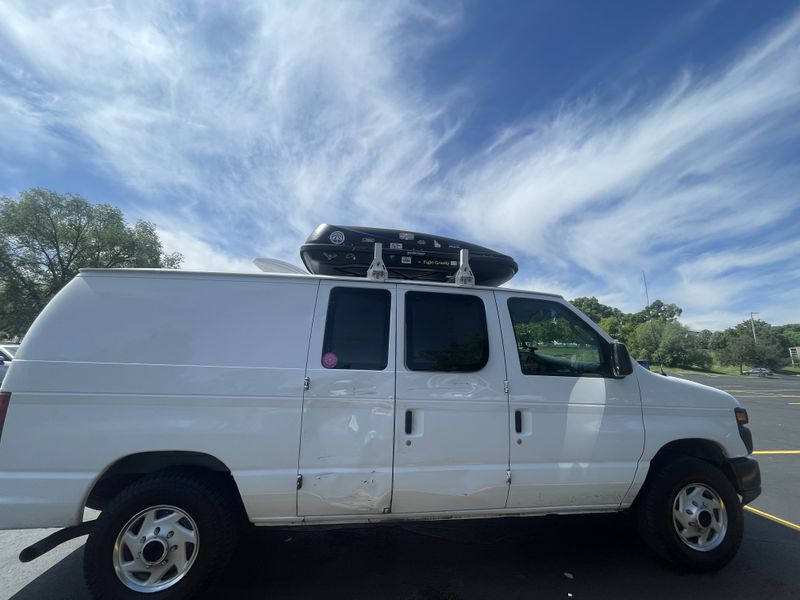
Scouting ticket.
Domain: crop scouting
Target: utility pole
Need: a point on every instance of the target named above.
(753, 325)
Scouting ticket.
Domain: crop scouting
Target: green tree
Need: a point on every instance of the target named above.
(594, 309)
(46, 238)
(657, 310)
(737, 349)
(679, 347)
(646, 340)
(704, 338)
(621, 325)
(769, 349)
(791, 332)
(670, 344)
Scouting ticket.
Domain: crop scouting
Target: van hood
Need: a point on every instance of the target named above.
(674, 391)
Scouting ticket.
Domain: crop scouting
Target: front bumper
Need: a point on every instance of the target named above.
(745, 475)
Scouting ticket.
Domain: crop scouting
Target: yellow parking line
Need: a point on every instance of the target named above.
(777, 452)
(766, 515)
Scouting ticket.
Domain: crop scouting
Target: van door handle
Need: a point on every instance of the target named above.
(409, 422)
(518, 421)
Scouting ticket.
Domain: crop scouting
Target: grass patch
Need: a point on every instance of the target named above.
(715, 370)
(789, 371)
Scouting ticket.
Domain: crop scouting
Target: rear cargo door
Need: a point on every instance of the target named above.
(451, 427)
(345, 462)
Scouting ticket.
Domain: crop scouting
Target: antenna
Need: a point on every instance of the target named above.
(649, 318)
(273, 265)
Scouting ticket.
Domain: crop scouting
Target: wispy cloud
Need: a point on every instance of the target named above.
(653, 182)
(241, 128)
(264, 120)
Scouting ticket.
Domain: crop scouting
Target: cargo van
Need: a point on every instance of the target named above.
(184, 404)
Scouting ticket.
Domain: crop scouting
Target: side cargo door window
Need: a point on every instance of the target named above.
(445, 332)
(357, 329)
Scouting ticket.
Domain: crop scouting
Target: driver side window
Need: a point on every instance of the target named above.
(552, 340)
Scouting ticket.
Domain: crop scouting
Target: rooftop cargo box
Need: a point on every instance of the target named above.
(348, 251)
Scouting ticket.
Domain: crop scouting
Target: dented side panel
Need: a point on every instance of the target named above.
(347, 429)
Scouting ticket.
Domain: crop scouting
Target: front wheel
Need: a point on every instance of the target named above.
(161, 539)
(690, 514)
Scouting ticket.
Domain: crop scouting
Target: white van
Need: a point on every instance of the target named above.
(182, 404)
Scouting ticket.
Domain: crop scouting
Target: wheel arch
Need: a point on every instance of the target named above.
(704, 449)
(127, 469)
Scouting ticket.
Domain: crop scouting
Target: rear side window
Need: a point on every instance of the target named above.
(357, 329)
(552, 340)
(445, 332)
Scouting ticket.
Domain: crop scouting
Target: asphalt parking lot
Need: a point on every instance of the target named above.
(587, 556)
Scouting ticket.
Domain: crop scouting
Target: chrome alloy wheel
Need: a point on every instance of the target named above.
(699, 517)
(156, 548)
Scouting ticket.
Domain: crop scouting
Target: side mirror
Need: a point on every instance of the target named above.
(621, 365)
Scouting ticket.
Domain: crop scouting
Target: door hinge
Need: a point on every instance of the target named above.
(508, 476)
(306, 383)
(505, 386)
(299, 481)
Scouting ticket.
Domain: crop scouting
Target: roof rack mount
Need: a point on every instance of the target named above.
(377, 270)
(464, 276)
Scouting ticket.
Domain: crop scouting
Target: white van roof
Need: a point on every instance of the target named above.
(283, 276)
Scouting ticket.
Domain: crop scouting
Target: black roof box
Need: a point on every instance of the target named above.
(348, 251)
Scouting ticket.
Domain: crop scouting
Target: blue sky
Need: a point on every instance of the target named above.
(590, 140)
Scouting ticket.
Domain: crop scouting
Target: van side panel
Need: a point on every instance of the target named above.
(121, 364)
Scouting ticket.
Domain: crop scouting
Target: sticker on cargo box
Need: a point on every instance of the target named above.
(406, 260)
(330, 360)
(337, 237)
(404, 235)
(395, 246)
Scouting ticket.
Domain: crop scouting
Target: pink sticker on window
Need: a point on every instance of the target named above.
(330, 360)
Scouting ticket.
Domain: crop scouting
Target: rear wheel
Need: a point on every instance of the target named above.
(690, 514)
(161, 538)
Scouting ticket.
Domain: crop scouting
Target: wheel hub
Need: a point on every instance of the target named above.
(153, 551)
(704, 518)
(156, 548)
(699, 517)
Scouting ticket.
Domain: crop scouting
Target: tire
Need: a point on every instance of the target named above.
(196, 512)
(686, 497)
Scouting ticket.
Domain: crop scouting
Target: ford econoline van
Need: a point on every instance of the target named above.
(181, 404)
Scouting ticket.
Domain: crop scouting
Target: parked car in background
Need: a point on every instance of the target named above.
(760, 371)
(7, 351)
